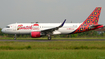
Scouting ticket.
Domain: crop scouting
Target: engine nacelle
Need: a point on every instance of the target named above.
(35, 34)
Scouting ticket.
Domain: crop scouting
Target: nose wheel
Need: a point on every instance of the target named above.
(15, 37)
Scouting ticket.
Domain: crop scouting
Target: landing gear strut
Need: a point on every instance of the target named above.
(15, 37)
(49, 37)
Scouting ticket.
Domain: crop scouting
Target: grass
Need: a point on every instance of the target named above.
(53, 50)
(52, 54)
(57, 45)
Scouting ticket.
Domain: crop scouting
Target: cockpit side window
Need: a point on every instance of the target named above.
(7, 26)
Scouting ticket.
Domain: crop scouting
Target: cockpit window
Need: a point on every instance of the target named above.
(7, 26)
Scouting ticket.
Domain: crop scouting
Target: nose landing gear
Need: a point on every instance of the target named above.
(15, 37)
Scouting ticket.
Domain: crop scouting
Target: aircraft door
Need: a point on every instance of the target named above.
(14, 27)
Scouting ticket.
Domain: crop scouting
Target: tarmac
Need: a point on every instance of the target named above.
(43, 40)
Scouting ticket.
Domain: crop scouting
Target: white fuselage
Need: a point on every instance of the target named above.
(27, 28)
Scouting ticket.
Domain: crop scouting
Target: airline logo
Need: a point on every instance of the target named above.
(19, 27)
(31, 27)
(35, 27)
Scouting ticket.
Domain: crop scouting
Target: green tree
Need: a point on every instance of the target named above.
(74, 35)
(1, 34)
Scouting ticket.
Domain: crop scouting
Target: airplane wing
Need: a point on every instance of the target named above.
(47, 31)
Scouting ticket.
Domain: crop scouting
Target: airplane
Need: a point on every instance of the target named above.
(47, 29)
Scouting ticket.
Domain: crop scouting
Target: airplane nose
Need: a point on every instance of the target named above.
(3, 30)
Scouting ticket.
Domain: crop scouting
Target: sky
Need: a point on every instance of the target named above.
(48, 11)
